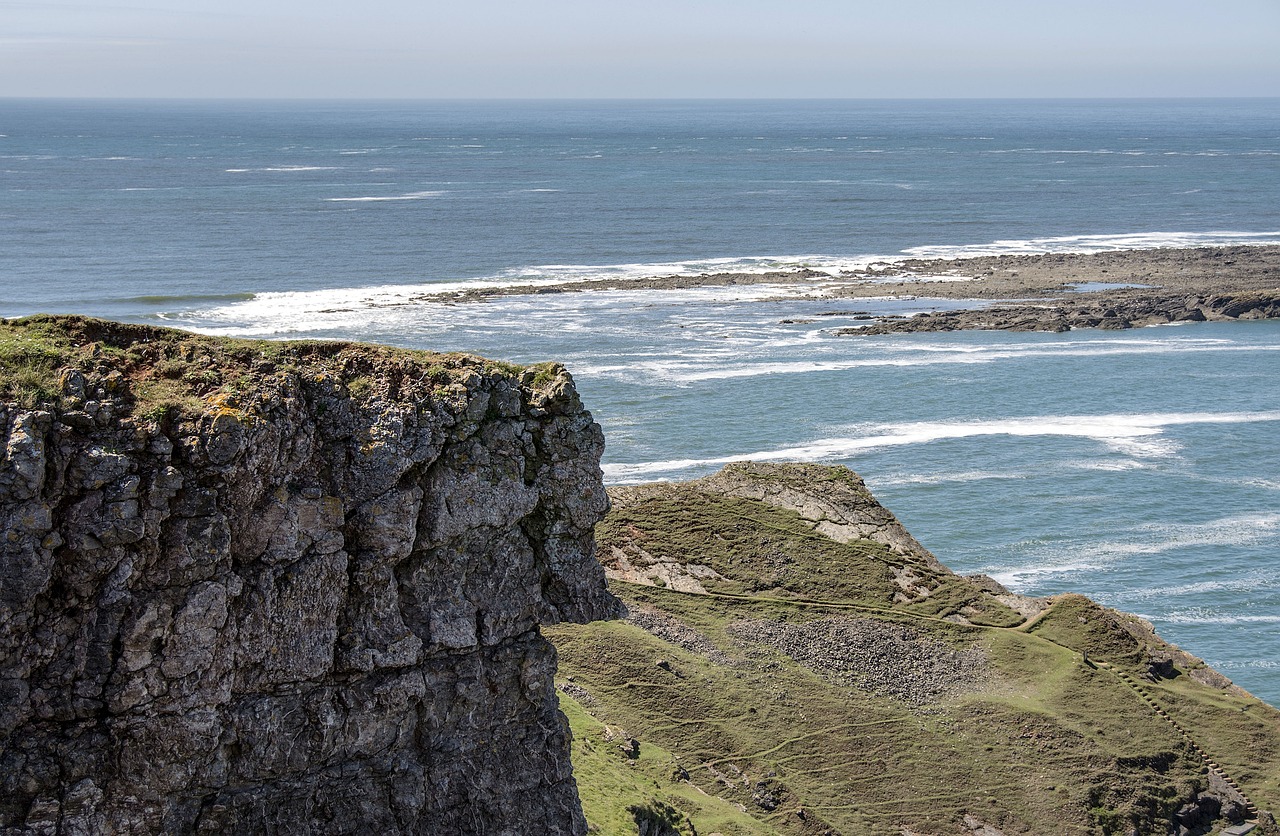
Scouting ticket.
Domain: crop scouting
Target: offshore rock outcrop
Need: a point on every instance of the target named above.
(1113, 312)
(255, 587)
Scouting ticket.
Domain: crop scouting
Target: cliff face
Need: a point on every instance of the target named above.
(254, 587)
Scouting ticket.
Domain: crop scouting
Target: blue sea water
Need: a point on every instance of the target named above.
(1138, 467)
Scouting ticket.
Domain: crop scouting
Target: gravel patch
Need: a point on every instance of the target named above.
(891, 660)
(673, 630)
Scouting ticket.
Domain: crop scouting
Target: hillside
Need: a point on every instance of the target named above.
(795, 663)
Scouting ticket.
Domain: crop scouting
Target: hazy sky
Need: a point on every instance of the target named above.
(643, 48)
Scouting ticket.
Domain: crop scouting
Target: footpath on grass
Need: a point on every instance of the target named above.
(1027, 627)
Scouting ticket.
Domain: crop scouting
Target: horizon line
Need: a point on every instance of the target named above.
(232, 98)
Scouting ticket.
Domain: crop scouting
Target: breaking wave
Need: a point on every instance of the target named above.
(1134, 435)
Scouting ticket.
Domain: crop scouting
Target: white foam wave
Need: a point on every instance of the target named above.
(1058, 559)
(922, 354)
(1023, 577)
(1111, 466)
(751, 265)
(830, 265)
(379, 199)
(284, 168)
(1238, 530)
(1242, 664)
(1124, 152)
(1136, 435)
(1203, 615)
(281, 313)
(943, 478)
(1097, 243)
(1244, 584)
(289, 313)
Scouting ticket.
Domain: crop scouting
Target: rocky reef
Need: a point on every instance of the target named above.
(286, 587)
(1116, 311)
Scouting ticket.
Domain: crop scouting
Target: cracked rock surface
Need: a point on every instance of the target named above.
(836, 503)
(295, 609)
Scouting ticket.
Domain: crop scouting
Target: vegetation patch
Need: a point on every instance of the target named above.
(157, 373)
(30, 358)
(758, 549)
(1100, 634)
(625, 788)
(796, 689)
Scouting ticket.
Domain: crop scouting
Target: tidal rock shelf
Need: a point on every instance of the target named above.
(286, 587)
(1029, 292)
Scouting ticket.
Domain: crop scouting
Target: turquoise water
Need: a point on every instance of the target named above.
(1137, 467)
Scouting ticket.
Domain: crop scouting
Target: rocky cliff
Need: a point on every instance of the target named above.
(285, 587)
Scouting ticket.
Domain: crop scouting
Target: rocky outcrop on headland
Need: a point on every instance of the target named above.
(288, 588)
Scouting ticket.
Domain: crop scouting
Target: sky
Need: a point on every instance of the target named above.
(649, 49)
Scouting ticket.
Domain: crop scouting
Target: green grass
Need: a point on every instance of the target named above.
(1087, 737)
(159, 372)
(30, 358)
(764, 550)
(1245, 744)
(1080, 624)
(613, 785)
(1050, 736)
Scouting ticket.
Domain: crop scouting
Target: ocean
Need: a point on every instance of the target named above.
(1138, 467)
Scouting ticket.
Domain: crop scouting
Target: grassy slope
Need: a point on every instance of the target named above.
(1050, 742)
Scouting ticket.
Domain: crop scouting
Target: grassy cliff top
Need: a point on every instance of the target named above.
(792, 665)
(51, 361)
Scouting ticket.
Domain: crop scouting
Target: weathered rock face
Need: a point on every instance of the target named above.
(294, 609)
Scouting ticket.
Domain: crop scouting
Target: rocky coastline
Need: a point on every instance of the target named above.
(321, 587)
(1034, 292)
(1114, 310)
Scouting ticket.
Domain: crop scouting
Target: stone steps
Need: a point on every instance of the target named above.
(1209, 762)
